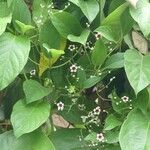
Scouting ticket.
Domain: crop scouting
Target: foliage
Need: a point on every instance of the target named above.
(74, 75)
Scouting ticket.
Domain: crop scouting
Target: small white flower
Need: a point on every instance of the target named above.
(87, 24)
(72, 47)
(73, 68)
(125, 99)
(42, 5)
(100, 137)
(33, 72)
(97, 110)
(60, 106)
(97, 35)
(94, 89)
(111, 79)
(88, 45)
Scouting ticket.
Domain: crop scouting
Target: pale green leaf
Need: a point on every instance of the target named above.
(27, 118)
(137, 69)
(14, 51)
(135, 132)
(141, 14)
(5, 16)
(23, 27)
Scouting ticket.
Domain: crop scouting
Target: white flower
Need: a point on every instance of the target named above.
(97, 110)
(125, 99)
(60, 106)
(73, 68)
(33, 72)
(72, 47)
(100, 137)
(97, 35)
(88, 45)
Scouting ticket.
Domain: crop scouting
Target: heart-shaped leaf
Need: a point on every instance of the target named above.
(39, 91)
(35, 141)
(27, 118)
(134, 134)
(80, 39)
(137, 69)
(141, 14)
(14, 51)
(87, 8)
(66, 24)
(99, 53)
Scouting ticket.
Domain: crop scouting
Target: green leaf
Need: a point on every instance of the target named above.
(27, 118)
(5, 16)
(67, 139)
(137, 69)
(81, 74)
(34, 91)
(35, 141)
(99, 53)
(91, 137)
(80, 39)
(23, 27)
(54, 53)
(14, 51)
(111, 122)
(142, 100)
(21, 13)
(114, 26)
(115, 61)
(112, 136)
(141, 14)
(91, 82)
(66, 24)
(50, 36)
(134, 134)
(87, 8)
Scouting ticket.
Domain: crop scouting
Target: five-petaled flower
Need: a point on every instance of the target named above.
(72, 47)
(125, 98)
(60, 106)
(97, 110)
(100, 137)
(73, 68)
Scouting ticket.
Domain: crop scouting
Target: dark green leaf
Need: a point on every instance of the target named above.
(39, 91)
(115, 61)
(99, 53)
(66, 24)
(87, 8)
